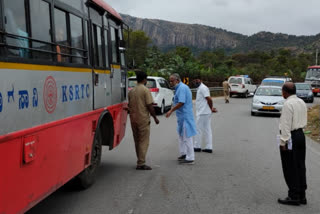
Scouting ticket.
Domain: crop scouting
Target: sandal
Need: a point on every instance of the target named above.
(143, 167)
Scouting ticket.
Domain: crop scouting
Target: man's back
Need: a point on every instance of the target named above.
(139, 98)
(202, 106)
(299, 111)
(225, 85)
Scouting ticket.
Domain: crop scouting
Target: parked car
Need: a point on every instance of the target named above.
(275, 81)
(304, 91)
(241, 85)
(160, 91)
(267, 100)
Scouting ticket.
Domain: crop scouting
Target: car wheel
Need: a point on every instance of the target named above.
(162, 108)
(253, 114)
(230, 95)
(315, 94)
(245, 95)
(312, 99)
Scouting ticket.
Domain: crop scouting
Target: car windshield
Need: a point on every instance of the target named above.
(313, 73)
(235, 80)
(273, 82)
(150, 83)
(303, 87)
(269, 92)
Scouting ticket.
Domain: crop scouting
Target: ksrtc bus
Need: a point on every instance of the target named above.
(63, 95)
(313, 77)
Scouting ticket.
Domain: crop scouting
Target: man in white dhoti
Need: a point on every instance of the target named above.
(204, 110)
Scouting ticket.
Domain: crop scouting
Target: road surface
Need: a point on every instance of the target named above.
(242, 176)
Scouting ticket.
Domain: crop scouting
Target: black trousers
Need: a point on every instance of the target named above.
(294, 165)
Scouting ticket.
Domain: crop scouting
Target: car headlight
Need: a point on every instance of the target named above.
(281, 102)
(256, 101)
(310, 93)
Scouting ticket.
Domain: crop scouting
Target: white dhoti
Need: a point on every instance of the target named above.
(186, 145)
(204, 131)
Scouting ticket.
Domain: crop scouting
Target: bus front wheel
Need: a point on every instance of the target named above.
(87, 177)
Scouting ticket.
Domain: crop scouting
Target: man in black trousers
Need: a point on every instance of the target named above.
(293, 145)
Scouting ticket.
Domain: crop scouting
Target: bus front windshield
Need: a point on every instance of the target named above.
(313, 74)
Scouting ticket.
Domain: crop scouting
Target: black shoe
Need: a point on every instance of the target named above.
(143, 167)
(189, 162)
(289, 201)
(182, 157)
(303, 201)
(197, 150)
(207, 150)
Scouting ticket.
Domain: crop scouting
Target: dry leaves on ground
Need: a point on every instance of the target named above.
(313, 128)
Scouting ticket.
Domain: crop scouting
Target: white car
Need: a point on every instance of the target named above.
(160, 91)
(241, 85)
(267, 100)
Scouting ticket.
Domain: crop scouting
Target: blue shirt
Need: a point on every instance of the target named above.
(185, 113)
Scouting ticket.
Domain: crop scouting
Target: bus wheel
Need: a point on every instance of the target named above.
(87, 177)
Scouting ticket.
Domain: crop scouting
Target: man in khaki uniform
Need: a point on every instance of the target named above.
(140, 108)
(226, 90)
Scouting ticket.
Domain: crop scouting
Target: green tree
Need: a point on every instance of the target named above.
(138, 49)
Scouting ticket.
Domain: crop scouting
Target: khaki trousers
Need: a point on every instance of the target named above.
(141, 136)
(226, 95)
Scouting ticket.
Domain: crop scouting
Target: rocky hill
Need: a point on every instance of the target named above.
(167, 35)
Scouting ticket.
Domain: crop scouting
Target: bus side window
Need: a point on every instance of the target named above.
(76, 38)
(114, 45)
(15, 24)
(60, 20)
(86, 31)
(106, 42)
(122, 52)
(97, 46)
(41, 29)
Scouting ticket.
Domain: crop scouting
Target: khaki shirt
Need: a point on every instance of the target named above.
(225, 85)
(139, 98)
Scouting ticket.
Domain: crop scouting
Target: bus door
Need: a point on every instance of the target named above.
(101, 73)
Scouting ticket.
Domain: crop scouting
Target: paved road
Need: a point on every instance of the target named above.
(242, 176)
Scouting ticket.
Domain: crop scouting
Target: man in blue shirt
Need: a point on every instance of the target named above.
(186, 126)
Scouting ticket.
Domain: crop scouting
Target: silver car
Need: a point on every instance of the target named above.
(267, 100)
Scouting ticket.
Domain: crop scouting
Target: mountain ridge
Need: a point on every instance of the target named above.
(167, 35)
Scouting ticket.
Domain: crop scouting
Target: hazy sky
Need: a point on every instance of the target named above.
(297, 17)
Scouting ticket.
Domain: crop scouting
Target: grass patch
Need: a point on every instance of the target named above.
(313, 127)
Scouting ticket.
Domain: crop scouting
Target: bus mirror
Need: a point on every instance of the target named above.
(122, 43)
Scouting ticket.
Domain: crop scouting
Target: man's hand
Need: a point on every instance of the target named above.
(168, 114)
(126, 109)
(156, 120)
(214, 110)
(284, 148)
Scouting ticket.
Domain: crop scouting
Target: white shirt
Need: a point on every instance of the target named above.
(202, 106)
(294, 116)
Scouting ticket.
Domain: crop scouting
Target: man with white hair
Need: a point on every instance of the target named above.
(186, 125)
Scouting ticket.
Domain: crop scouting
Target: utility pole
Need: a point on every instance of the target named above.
(317, 56)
